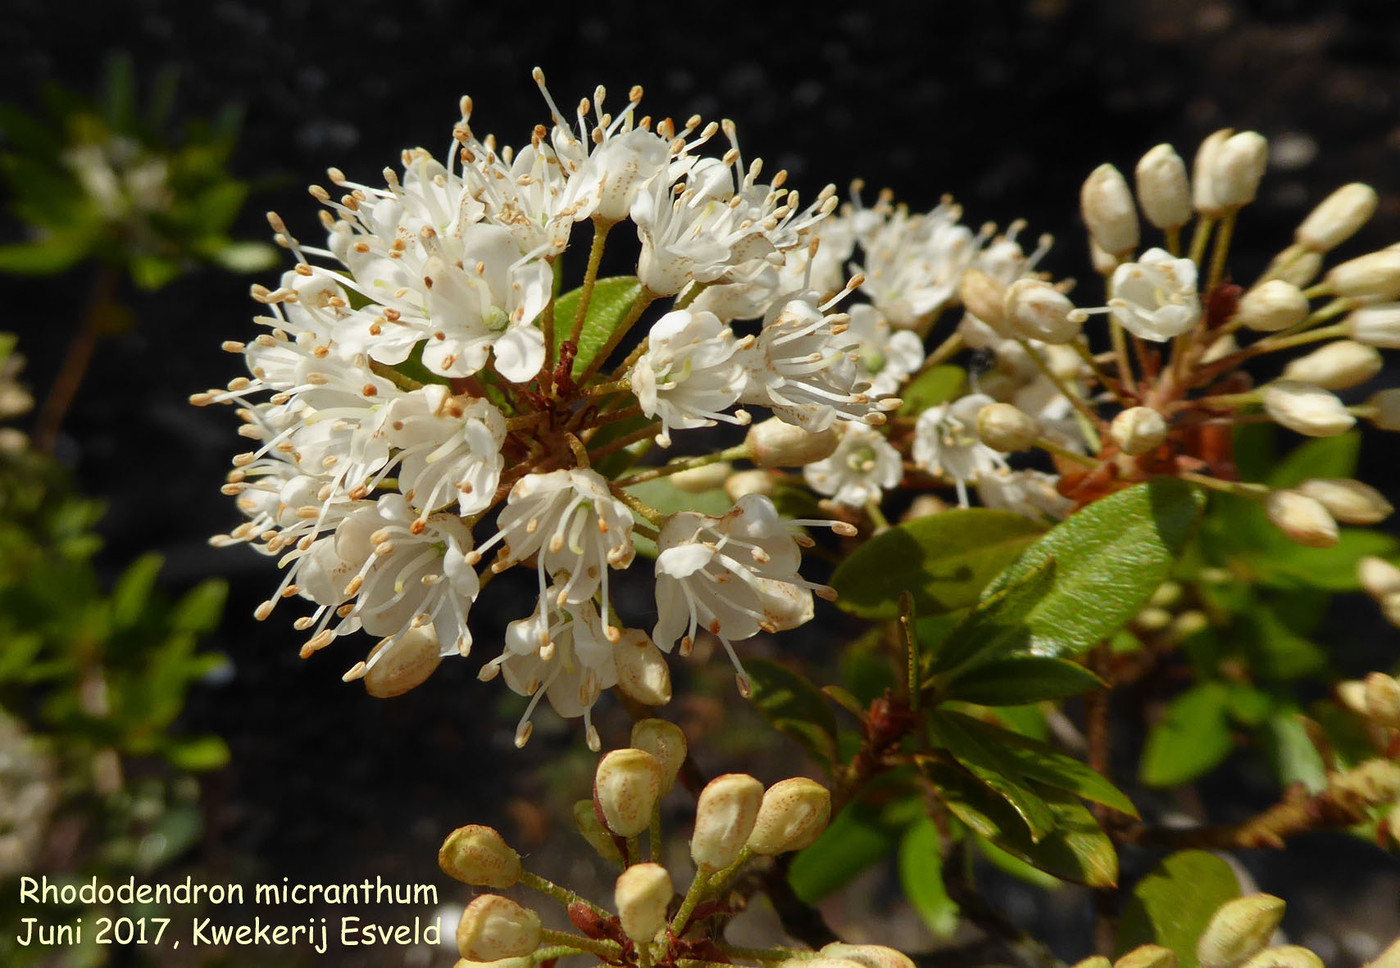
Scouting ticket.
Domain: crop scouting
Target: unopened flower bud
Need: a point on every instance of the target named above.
(1272, 306)
(1162, 188)
(1108, 210)
(1337, 217)
(1007, 428)
(1378, 577)
(1390, 957)
(642, 894)
(1386, 410)
(724, 818)
(1239, 930)
(626, 788)
(1222, 347)
(1306, 409)
(1339, 365)
(592, 830)
(1147, 956)
(1138, 430)
(773, 443)
(521, 962)
(642, 673)
(925, 505)
(1296, 265)
(1301, 519)
(1351, 693)
(402, 663)
(1239, 165)
(868, 955)
(984, 298)
(741, 483)
(1203, 179)
(1284, 956)
(1349, 501)
(1383, 699)
(1374, 276)
(1037, 310)
(479, 856)
(666, 742)
(697, 480)
(1377, 325)
(495, 927)
(792, 816)
(1390, 608)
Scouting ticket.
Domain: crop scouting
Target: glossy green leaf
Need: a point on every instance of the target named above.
(1294, 757)
(936, 385)
(1172, 905)
(1192, 739)
(944, 560)
(1019, 680)
(987, 761)
(1109, 559)
(794, 707)
(921, 876)
(997, 625)
(1011, 864)
(1075, 850)
(607, 307)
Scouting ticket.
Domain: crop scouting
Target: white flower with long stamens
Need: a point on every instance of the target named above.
(574, 527)
(1155, 297)
(885, 357)
(732, 576)
(803, 367)
(861, 469)
(449, 449)
(946, 443)
(689, 375)
(913, 263)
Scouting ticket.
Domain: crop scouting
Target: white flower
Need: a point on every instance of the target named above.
(913, 264)
(824, 270)
(946, 443)
(731, 576)
(1027, 492)
(689, 375)
(449, 449)
(863, 466)
(572, 524)
(884, 357)
(1155, 297)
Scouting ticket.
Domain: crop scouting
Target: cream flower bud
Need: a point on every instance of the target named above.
(642, 894)
(773, 443)
(479, 856)
(1037, 310)
(495, 927)
(521, 962)
(1239, 930)
(642, 673)
(1383, 699)
(742, 483)
(1296, 265)
(1104, 263)
(1375, 276)
(1272, 306)
(868, 955)
(792, 816)
(1138, 430)
(1285, 956)
(666, 742)
(398, 665)
(1386, 406)
(984, 298)
(1352, 695)
(1006, 428)
(1162, 188)
(1349, 501)
(1339, 365)
(1390, 957)
(1147, 956)
(1390, 609)
(1337, 217)
(1239, 165)
(626, 788)
(1307, 409)
(1377, 325)
(697, 480)
(1107, 207)
(1203, 179)
(724, 818)
(593, 831)
(1378, 577)
(1301, 519)
(1093, 961)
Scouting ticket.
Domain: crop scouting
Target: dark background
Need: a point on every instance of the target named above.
(1007, 105)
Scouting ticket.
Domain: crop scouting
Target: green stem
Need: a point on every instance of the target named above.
(1199, 239)
(590, 277)
(1120, 353)
(654, 832)
(1049, 446)
(1089, 423)
(765, 954)
(606, 950)
(1221, 251)
(656, 517)
(621, 443)
(561, 894)
(1173, 241)
(692, 898)
(737, 452)
(604, 389)
(1255, 492)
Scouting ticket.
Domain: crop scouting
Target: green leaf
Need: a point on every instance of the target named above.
(998, 624)
(1193, 738)
(988, 763)
(945, 560)
(45, 256)
(935, 385)
(663, 495)
(856, 838)
(1019, 680)
(152, 272)
(198, 755)
(1015, 866)
(1109, 559)
(1320, 457)
(611, 299)
(1042, 764)
(921, 876)
(1075, 850)
(199, 611)
(133, 590)
(794, 707)
(1294, 757)
(1172, 905)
